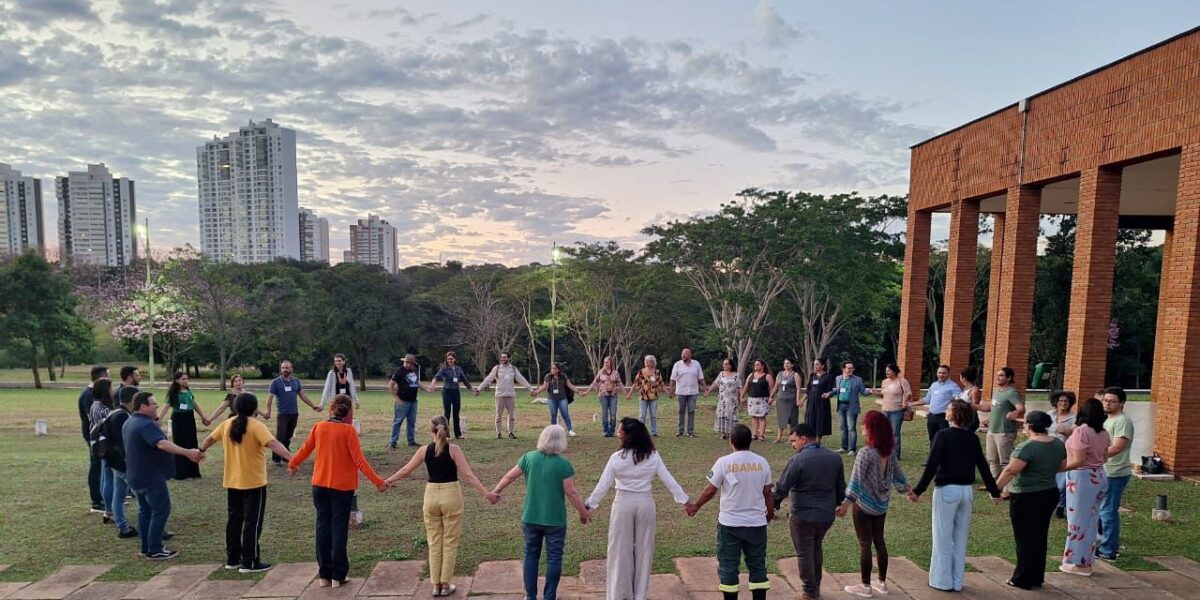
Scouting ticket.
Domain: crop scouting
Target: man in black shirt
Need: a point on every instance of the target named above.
(85, 407)
(115, 458)
(404, 385)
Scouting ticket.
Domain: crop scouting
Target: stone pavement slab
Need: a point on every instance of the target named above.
(172, 583)
(780, 590)
(344, 592)
(394, 578)
(790, 570)
(284, 581)
(10, 587)
(593, 576)
(3, 567)
(222, 589)
(699, 574)
(912, 579)
(1184, 566)
(498, 577)
(999, 570)
(61, 583)
(667, 587)
(1080, 588)
(1170, 581)
(104, 590)
(1109, 576)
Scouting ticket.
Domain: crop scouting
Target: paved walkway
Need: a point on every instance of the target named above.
(697, 580)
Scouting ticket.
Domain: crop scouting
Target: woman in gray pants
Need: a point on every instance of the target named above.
(632, 522)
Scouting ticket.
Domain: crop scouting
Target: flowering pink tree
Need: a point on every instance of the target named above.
(161, 310)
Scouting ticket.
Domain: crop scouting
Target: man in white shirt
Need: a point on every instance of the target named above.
(686, 380)
(506, 377)
(744, 480)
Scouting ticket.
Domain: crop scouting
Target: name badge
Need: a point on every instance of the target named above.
(455, 380)
(287, 388)
(653, 379)
(844, 390)
(554, 391)
(782, 384)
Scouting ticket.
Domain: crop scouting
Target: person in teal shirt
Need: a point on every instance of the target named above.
(1120, 431)
(549, 482)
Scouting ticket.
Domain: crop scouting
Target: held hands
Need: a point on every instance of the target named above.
(585, 517)
(292, 471)
(493, 498)
(998, 499)
(690, 509)
(840, 511)
(383, 486)
(195, 455)
(912, 497)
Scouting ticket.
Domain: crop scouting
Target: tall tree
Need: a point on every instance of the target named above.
(37, 311)
(363, 309)
(221, 303)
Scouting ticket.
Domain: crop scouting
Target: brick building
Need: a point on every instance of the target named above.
(1119, 147)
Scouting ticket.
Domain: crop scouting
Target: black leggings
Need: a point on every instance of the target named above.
(869, 529)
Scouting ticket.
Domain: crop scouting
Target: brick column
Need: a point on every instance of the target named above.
(911, 344)
(960, 285)
(1092, 280)
(1160, 323)
(993, 308)
(1015, 318)
(1177, 349)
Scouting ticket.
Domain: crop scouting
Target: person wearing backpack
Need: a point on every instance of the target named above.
(114, 458)
(102, 404)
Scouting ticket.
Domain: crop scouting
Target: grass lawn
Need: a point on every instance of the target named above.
(45, 523)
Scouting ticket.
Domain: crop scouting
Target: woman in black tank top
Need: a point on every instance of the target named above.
(443, 507)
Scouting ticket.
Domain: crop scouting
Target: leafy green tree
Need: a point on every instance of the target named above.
(37, 312)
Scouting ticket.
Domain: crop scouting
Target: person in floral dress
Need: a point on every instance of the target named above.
(728, 385)
(1086, 484)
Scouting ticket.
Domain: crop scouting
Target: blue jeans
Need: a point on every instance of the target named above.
(952, 506)
(106, 484)
(649, 408)
(404, 411)
(555, 539)
(116, 499)
(896, 418)
(560, 406)
(608, 413)
(1110, 518)
(848, 417)
(154, 506)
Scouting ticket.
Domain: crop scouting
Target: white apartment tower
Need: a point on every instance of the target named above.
(373, 242)
(314, 237)
(21, 225)
(96, 217)
(249, 207)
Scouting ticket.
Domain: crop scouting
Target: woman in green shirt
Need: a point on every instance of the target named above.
(1033, 495)
(182, 404)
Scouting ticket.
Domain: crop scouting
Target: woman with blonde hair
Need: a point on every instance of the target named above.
(549, 483)
(443, 507)
(334, 480)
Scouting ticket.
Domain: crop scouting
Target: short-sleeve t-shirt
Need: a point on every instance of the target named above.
(741, 477)
(286, 392)
(1042, 460)
(545, 500)
(1093, 443)
(687, 377)
(1120, 426)
(245, 467)
(184, 402)
(145, 464)
(1004, 401)
(407, 384)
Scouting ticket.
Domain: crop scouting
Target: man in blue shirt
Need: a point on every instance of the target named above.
(282, 395)
(938, 398)
(849, 387)
(148, 466)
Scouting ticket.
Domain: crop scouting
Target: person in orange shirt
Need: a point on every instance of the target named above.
(334, 481)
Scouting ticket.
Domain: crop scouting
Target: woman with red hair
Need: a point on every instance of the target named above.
(876, 471)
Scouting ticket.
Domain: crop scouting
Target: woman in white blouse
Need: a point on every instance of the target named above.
(632, 520)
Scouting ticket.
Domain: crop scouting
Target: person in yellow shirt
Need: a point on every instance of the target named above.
(244, 441)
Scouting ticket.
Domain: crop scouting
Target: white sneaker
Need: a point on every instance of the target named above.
(880, 587)
(571, 433)
(859, 590)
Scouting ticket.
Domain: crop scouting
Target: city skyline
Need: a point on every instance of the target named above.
(485, 132)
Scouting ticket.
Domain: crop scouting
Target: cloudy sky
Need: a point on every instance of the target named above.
(485, 130)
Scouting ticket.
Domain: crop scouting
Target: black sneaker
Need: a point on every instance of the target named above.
(257, 567)
(413, 444)
(128, 533)
(680, 434)
(97, 508)
(498, 436)
(1108, 557)
(164, 554)
(233, 566)
(512, 436)
(168, 535)
(392, 446)
(691, 435)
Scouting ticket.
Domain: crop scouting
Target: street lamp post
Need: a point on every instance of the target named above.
(149, 301)
(554, 256)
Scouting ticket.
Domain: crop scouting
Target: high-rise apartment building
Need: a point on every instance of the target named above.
(373, 242)
(314, 237)
(96, 217)
(21, 225)
(249, 207)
